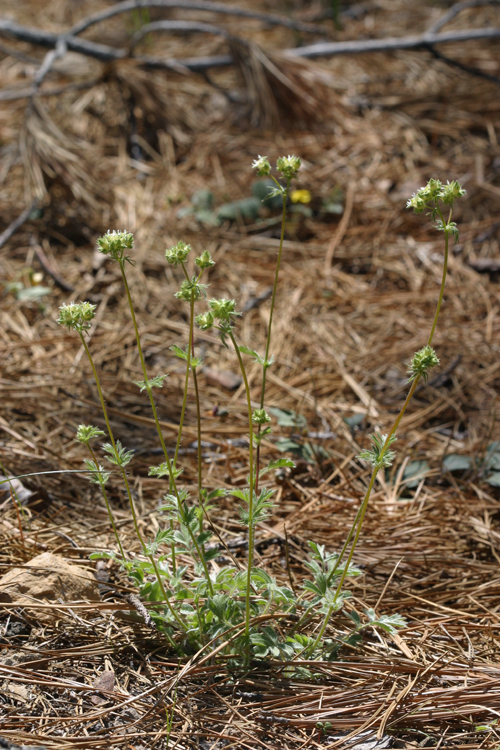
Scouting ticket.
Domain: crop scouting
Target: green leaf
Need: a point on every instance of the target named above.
(32, 293)
(179, 352)
(247, 350)
(354, 420)
(354, 617)
(256, 355)
(492, 460)
(260, 190)
(278, 464)
(494, 479)
(415, 471)
(285, 444)
(102, 556)
(379, 455)
(288, 417)
(246, 208)
(261, 576)
(156, 382)
(120, 456)
(455, 462)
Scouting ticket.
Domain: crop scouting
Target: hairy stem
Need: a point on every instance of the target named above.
(127, 485)
(251, 488)
(188, 367)
(358, 521)
(158, 428)
(269, 328)
(106, 501)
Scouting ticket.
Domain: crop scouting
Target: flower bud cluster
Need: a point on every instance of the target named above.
(262, 166)
(190, 290)
(435, 191)
(205, 260)
(288, 166)
(223, 310)
(260, 416)
(178, 253)
(205, 321)
(77, 316)
(87, 432)
(114, 244)
(422, 361)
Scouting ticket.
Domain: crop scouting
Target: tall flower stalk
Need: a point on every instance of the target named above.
(380, 456)
(78, 317)
(287, 166)
(115, 245)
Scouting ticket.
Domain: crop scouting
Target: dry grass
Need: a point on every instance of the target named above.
(357, 298)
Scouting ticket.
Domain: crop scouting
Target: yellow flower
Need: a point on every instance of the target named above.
(301, 196)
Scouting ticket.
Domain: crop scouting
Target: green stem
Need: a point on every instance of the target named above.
(443, 280)
(126, 482)
(198, 426)
(269, 328)
(106, 501)
(113, 443)
(361, 513)
(186, 381)
(158, 428)
(250, 491)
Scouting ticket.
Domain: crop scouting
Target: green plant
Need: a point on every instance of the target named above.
(236, 609)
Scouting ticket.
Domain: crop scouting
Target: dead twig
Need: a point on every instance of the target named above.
(231, 10)
(456, 9)
(425, 40)
(49, 269)
(17, 223)
(323, 49)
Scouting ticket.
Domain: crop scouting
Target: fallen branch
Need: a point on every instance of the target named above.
(194, 64)
(51, 271)
(455, 10)
(185, 26)
(464, 68)
(231, 10)
(17, 223)
(329, 49)
(47, 39)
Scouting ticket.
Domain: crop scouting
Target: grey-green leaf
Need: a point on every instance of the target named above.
(456, 462)
(494, 479)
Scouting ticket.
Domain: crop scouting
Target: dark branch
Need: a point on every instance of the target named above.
(47, 63)
(231, 10)
(47, 39)
(455, 10)
(185, 26)
(465, 68)
(17, 223)
(51, 271)
(105, 53)
(328, 49)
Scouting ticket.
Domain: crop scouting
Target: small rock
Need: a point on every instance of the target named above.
(14, 488)
(105, 682)
(47, 579)
(6, 745)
